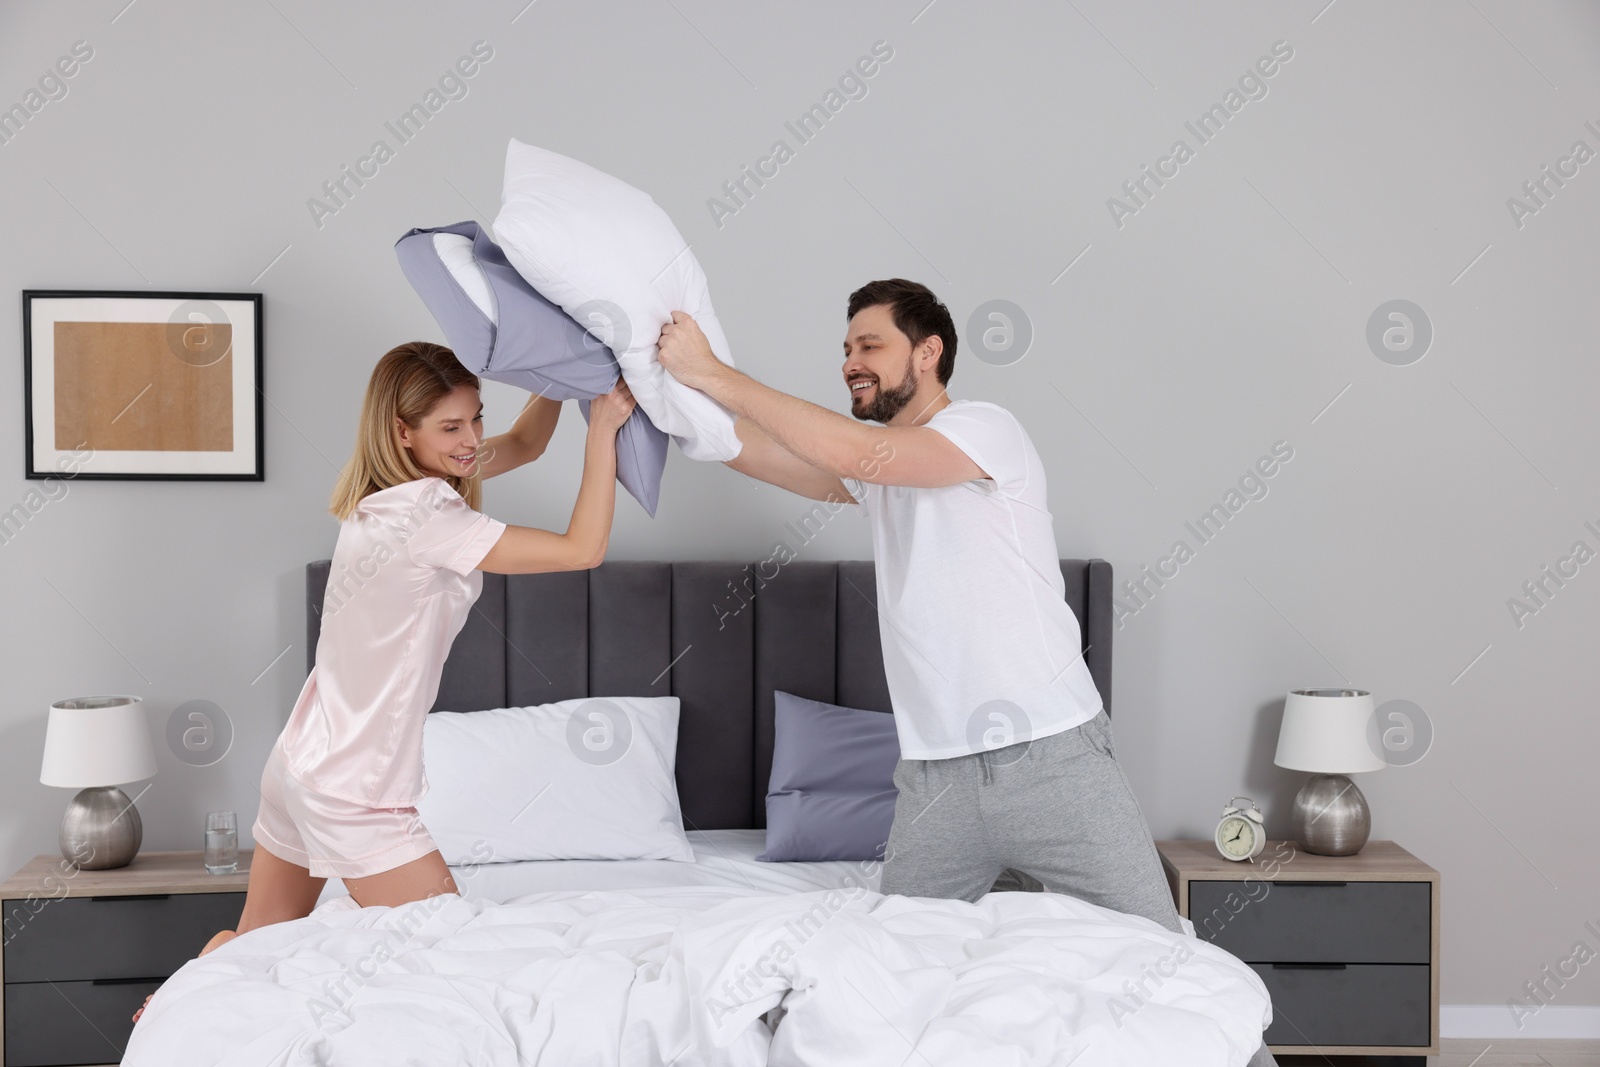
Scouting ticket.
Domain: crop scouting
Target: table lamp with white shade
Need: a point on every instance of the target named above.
(1325, 731)
(90, 743)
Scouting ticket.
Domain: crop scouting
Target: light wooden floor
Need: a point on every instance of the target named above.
(1459, 1052)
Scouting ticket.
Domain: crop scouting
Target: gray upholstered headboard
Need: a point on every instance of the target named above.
(712, 634)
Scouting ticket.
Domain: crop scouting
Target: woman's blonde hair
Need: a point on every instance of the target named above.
(407, 383)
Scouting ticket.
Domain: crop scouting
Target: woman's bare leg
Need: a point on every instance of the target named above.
(277, 892)
(423, 877)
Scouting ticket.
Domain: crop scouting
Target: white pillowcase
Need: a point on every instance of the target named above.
(611, 258)
(455, 252)
(584, 779)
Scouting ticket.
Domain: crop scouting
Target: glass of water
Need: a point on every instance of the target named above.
(222, 842)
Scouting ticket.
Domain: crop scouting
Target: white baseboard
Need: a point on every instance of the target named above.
(1551, 1022)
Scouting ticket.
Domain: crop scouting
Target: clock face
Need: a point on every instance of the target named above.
(1236, 836)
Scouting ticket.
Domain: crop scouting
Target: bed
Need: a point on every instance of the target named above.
(726, 960)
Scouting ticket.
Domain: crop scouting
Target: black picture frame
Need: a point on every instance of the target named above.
(45, 306)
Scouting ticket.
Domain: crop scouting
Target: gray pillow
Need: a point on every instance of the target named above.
(832, 791)
(527, 341)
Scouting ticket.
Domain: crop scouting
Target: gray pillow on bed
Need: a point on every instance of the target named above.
(832, 791)
(522, 339)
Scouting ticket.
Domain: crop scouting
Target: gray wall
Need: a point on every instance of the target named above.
(1227, 313)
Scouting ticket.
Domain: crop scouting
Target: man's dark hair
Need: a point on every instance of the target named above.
(917, 314)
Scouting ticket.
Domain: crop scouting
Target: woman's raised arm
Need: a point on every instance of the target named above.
(524, 442)
(529, 550)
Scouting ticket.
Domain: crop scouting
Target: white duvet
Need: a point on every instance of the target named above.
(709, 975)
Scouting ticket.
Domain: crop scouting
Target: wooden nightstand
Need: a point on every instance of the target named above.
(1348, 946)
(82, 949)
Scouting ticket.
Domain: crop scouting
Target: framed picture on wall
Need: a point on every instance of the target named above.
(144, 385)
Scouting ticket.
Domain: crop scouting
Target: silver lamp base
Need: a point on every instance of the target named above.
(101, 829)
(1331, 817)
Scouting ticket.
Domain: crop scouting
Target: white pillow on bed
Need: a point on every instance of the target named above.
(613, 260)
(583, 779)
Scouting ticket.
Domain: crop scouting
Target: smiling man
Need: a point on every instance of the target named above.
(1006, 757)
(1006, 750)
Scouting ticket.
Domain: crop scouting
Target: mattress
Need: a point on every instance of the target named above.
(723, 858)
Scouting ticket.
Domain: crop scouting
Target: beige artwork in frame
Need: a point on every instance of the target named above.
(143, 385)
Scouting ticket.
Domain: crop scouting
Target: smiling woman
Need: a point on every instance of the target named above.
(436, 419)
(340, 786)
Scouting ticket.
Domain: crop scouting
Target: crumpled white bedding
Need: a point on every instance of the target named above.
(709, 975)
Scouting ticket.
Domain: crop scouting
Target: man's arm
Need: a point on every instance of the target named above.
(835, 444)
(762, 457)
(524, 442)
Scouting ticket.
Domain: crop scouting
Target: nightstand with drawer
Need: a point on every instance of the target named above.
(1347, 946)
(82, 949)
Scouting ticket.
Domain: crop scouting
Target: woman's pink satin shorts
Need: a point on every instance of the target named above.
(333, 838)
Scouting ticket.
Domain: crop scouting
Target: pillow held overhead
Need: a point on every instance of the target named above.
(613, 260)
(501, 328)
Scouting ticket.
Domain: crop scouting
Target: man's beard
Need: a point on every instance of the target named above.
(886, 403)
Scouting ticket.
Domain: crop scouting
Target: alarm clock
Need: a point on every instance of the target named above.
(1241, 833)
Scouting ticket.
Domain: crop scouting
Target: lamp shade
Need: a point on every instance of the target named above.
(97, 741)
(1325, 731)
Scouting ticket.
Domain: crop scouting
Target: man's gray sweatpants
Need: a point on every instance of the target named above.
(1058, 809)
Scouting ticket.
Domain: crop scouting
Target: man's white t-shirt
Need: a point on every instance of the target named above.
(980, 648)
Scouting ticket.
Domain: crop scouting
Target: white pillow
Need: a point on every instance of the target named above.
(612, 259)
(584, 779)
(455, 252)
